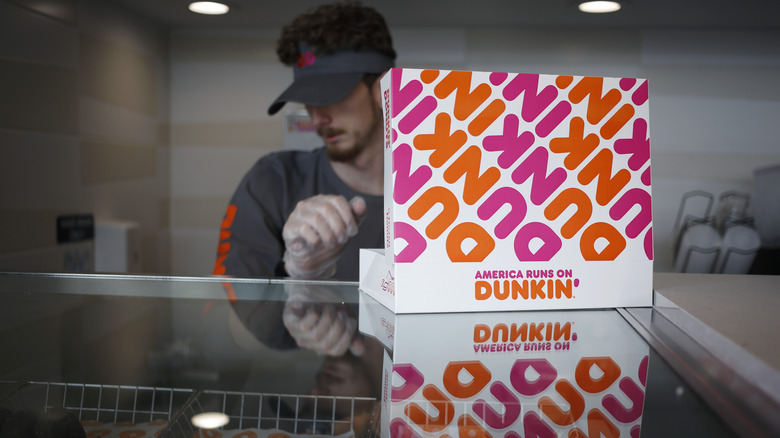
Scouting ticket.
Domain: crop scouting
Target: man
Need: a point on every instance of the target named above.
(306, 214)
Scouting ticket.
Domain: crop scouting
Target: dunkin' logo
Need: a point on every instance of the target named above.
(522, 164)
(600, 398)
(388, 129)
(306, 59)
(534, 284)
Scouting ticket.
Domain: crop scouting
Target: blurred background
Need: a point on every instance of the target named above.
(125, 125)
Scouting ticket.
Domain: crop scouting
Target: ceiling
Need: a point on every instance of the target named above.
(699, 14)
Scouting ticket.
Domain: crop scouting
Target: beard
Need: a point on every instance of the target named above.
(343, 155)
(336, 153)
(360, 140)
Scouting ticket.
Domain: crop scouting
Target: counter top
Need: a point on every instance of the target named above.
(677, 369)
(741, 308)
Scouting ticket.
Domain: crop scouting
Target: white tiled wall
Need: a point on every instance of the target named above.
(84, 90)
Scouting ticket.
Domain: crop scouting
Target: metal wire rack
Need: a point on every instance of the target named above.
(300, 415)
(93, 402)
(297, 414)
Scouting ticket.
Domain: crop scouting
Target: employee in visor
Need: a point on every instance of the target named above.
(305, 214)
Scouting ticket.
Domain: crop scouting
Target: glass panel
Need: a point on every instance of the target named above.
(151, 353)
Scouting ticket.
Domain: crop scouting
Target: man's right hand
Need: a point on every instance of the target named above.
(316, 233)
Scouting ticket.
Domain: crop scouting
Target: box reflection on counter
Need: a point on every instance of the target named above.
(512, 191)
(574, 373)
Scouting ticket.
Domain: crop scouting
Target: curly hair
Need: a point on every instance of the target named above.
(331, 27)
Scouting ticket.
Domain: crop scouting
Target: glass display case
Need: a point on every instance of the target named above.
(133, 356)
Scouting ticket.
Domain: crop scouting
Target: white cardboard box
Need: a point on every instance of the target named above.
(541, 373)
(508, 191)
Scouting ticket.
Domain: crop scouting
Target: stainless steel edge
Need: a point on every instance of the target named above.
(739, 402)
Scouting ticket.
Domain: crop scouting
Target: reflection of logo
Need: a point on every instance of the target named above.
(388, 284)
(389, 328)
(385, 386)
(524, 337)
(601, 398)
(306, 59)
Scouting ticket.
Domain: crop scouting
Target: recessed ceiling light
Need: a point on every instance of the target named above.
(209, 8)
(599, 7)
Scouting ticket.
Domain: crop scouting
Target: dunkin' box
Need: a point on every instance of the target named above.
(508, 191)
(573, 373)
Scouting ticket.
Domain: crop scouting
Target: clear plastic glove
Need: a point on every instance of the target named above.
(316, 233)
(318, 320)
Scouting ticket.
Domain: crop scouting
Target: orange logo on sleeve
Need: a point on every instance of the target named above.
(224, 234)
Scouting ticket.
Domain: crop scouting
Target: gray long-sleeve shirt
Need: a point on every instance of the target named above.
(251, 243)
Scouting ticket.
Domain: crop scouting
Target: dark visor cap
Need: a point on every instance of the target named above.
(321, 80)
